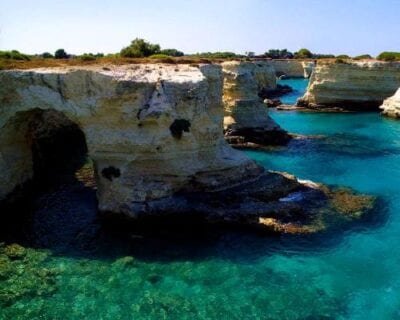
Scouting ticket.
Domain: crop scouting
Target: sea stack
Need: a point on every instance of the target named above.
(351, 85)
(246, 116)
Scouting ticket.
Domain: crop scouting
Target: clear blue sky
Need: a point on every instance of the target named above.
(323, 26)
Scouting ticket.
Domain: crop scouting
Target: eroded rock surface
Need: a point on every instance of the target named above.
(246, 117)
(292, 68)
(151, 130)
(391, 106)
(154, 134)
(351, 85)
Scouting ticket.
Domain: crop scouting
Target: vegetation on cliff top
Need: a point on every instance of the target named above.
(142, 51)
(389, 56)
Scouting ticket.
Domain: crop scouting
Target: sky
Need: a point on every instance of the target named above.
(324, 26)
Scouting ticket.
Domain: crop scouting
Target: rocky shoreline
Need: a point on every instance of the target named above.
(155, 135)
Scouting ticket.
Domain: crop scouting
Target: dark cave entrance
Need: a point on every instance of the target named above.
(60, 198)
(58, 147)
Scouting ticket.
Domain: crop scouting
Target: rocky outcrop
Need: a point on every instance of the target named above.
(154, 134)
(151, 130)
(391, 106)
(351, 85)
(293, 68)
(246, 117)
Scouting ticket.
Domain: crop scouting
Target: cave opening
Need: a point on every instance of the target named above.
(46, 152)
(58, 148)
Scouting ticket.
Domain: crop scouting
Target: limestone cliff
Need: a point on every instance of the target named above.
(391, 106)
(156, 128)
(293, 68)
(352, 85)
(246, 117)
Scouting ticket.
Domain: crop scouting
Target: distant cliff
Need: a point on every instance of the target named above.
(293, 68)
(352, 85)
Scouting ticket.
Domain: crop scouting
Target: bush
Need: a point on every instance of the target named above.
(159, 56)
(87, 57)
(218, 55)
(323, 56)
(389, 56)
(172, 52)
(61, 54)
(343, 56)
(139, 48)
(278, 54)
(14, 55)
(303, 54)
(362, 57)
(47, 55)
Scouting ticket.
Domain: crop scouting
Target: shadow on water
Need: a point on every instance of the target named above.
(65, 221)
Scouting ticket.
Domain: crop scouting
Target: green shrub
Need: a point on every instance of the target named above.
(87, 57)
(218, 55)
(172, 52)
(343, 56)
(303, 54)
(278, 54)
(362, 57)
(140, 48)
(159, 56)
(14, 55)
(61, 54)
(389, 56)
(47, 55)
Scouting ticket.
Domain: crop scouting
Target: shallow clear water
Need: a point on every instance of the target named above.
(299, 87)
(349, 274)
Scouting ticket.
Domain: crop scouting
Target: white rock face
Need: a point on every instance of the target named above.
(293, 68)
(352, 85)
(391, 106)
(246, 115)
(126, 113)
(242, 83)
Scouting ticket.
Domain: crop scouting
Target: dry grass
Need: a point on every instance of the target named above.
(8, 64)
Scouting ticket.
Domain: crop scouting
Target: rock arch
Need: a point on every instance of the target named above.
(41, 143)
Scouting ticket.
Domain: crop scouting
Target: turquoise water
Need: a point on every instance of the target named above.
(74, 269)
(299, 87)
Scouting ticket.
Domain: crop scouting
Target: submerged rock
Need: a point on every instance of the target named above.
(274, 201)
(15, 251)
(391, 106)
(352, 85)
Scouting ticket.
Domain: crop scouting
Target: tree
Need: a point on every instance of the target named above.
(140, 48)
(61, 54)
(278, 54)
(303, 54)
(47, 55)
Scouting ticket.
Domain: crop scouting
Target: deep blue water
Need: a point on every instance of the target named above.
(348, 274)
